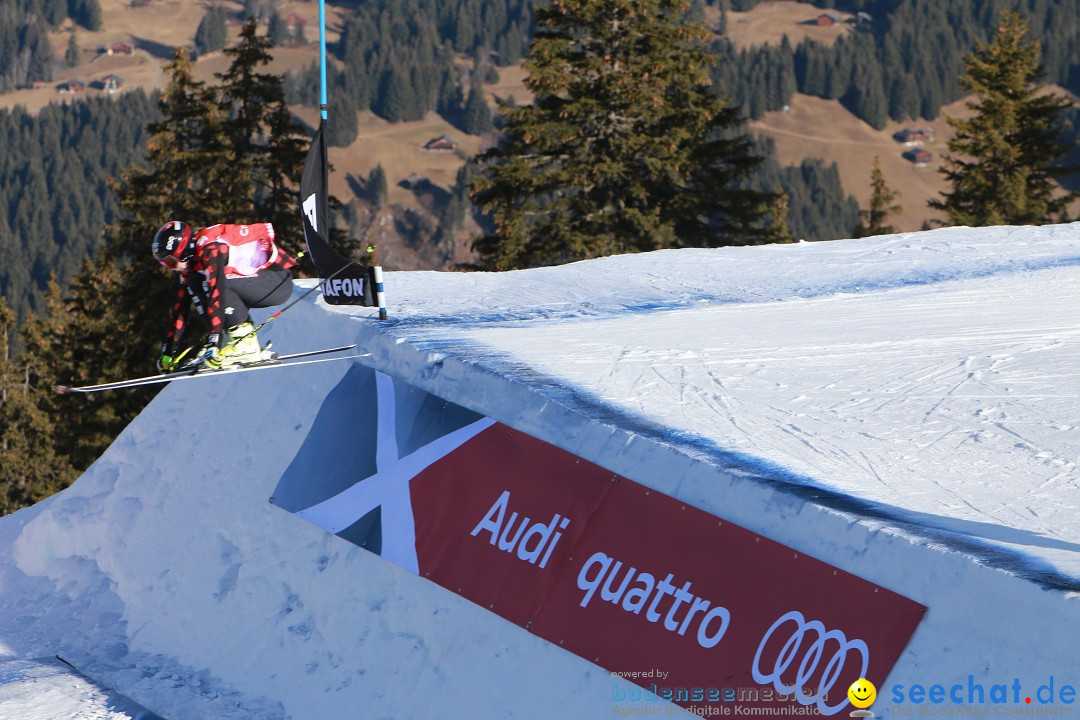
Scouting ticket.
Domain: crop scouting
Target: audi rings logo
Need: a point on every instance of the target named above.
(812, 653)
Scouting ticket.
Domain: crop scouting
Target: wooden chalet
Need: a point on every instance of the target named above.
(443, 143)
(829, 18)
(914, 137)
(72, 86)
(112, 83)
(918, 157)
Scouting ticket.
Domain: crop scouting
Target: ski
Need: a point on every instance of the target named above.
(289, 360)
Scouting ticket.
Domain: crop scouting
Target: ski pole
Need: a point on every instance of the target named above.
(183, 354)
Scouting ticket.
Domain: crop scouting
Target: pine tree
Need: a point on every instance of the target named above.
(72, 56)
(625, 147)
(93, 15)
(267, 146)
(81, 339)
(260, 9)
(86, 13)
(343, 127)
(477, 115)
(865, 96)
(510, 46)
(788, 85)
(277, 31)
(882, 206)
(377, 187)
(284, 154)
(36, 38)
(54, 11)
(398, 95)
(212, 33)
(778, 223)
(30, 466)
(817, 208)
(904, 98)
(459, 207)
(188, 163)
(449, 100)
(1002, 162)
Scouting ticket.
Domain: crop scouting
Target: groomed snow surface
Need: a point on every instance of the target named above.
(903, 407)
(50, 688)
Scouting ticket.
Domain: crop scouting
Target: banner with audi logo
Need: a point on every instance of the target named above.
(691, 607)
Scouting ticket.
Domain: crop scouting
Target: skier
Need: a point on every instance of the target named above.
(224, 270)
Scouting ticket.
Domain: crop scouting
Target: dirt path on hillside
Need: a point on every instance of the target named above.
(762, 127)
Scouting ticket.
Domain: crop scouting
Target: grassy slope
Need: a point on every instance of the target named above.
(768, 22)
(814, 127)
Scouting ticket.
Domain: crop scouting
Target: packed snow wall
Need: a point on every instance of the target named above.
(602, 566)
(167, 573)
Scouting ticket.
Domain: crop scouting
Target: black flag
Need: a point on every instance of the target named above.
(341, 285)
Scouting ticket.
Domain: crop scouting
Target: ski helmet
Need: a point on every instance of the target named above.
(173, 244)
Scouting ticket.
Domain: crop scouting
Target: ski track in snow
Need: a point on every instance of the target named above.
(764, 381)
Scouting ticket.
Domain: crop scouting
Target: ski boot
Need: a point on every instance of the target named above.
(242, 349)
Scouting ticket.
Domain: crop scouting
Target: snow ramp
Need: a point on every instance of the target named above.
(733, 479)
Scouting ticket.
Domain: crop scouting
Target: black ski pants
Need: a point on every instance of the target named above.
(267, 289)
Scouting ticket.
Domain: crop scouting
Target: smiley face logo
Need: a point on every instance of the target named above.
(862, 693)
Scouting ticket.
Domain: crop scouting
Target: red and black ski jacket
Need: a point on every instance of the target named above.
(221, 252)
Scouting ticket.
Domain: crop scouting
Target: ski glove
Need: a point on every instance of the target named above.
(210, 356)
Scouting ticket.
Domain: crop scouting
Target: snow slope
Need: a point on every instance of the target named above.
(903, 407)
(49, 688)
